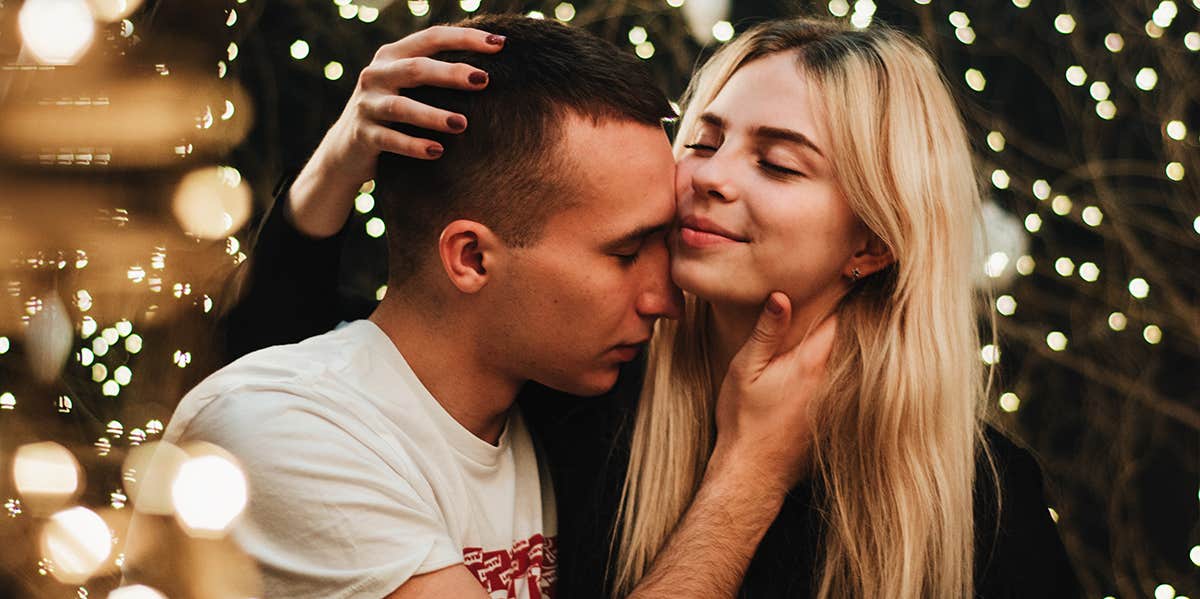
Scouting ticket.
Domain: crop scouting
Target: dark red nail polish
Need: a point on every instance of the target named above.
(456, 122)
(434, 151)
(478, 78)
(495, 40)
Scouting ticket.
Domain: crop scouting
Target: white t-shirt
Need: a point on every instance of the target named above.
(360, 480)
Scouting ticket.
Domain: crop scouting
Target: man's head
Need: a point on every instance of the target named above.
(528, 222)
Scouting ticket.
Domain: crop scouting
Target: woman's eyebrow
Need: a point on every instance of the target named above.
(767, 133)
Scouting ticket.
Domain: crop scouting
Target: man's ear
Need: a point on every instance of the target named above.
(468, 249)
(870, 257)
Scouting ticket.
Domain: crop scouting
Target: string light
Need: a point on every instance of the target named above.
(1009, 402)
(975, 79)
(1117, 321)
(299, 49)
(722, 31)
(996, 141)
(1064, 23)
(1146, 79)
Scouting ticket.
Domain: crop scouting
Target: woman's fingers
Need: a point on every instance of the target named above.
(386, 108)
(417, 71)
(389, 140)
(440, 39)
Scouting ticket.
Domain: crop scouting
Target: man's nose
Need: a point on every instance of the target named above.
(661, 298)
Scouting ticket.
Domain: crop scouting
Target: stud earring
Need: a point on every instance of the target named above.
(856, 275)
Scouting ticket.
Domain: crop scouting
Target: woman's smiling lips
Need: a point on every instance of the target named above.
(699, 232)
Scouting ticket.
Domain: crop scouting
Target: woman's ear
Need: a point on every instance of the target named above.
(468, 249)
(872, 257)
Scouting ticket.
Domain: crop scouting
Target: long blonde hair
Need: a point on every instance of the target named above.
(900, 424)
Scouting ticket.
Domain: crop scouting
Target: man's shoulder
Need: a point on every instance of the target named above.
(300, 381)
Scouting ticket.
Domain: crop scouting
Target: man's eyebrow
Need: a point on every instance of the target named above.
(636, 235)
(770, 133)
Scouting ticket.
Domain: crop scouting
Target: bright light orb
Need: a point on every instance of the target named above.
(299, 49)
(1009, 402)
(57, 31)
(1064, 23)
(1117, 321)
(1146, 79)
(1056, 341)
(137, 591)
(78, 541)
(1139, 288)
(46, 470)
(209, 493)
(1152, 334)
(212, 201)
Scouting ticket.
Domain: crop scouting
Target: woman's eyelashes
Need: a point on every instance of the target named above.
(769, 167)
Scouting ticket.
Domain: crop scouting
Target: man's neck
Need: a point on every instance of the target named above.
(448, 362)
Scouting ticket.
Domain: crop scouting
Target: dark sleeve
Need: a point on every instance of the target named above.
(1023, 556)
(287, 289)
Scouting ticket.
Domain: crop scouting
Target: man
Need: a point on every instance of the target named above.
(385, 457)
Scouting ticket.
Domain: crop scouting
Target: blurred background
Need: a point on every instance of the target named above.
(141, 140)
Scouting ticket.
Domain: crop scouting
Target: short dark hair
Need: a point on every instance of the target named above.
(503, 170)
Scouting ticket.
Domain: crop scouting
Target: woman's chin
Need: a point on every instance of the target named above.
(709, 282)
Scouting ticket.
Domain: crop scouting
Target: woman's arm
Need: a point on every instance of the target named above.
(287, 290)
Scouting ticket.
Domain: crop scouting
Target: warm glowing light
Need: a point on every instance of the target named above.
(1009, 402)
(56, 31)
(78, 542)
(368, 14)
(1064, 266)
(212, 201)
(1064, 23)
(1194, 554)
(1025, 265)
(996, 141)
(1146, 79)
(1089, 272)
(1114, 42)
(111, 11)
(995, 264)
(1021, 3)
(1176, 130)
(364, 203)
(1061, 205)
(137, 591)
(1152, 334)
(1139, 288)
(1099, 90)
(418, 8)
(1191, 41)
(380, 293)
(722, 31)
(564, 12)
(469, 5)
(637, 35)
(1175, 171)
(348, 11)
(1000, 178)
(1164, 591)
(1033, 223)
(299, 49)
(333, 71)
(1056, 341)
(645, 50)
(975, 79)
(1106, 110)
(1041, 189)
(1117, 321)
(375, 227)
(990, 354)
(536, 14)
(839, 8)
(1092, 216)
(122, 375)
(45, 470)
(1076, 75)
(959, 18)
(1006, 305)
(209, 493)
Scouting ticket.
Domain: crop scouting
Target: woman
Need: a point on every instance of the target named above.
(828, 163)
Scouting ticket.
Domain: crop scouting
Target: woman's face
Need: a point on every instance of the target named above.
(758, 208)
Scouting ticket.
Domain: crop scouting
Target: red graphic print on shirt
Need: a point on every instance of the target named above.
(530, 564)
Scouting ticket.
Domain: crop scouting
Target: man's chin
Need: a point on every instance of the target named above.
(593, 384)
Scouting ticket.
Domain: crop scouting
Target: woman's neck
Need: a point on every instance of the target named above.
(730, 325)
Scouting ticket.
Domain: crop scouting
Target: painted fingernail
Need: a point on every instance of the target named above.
(495, 40)
(434, 151)
(456, 122)
(478, 78)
